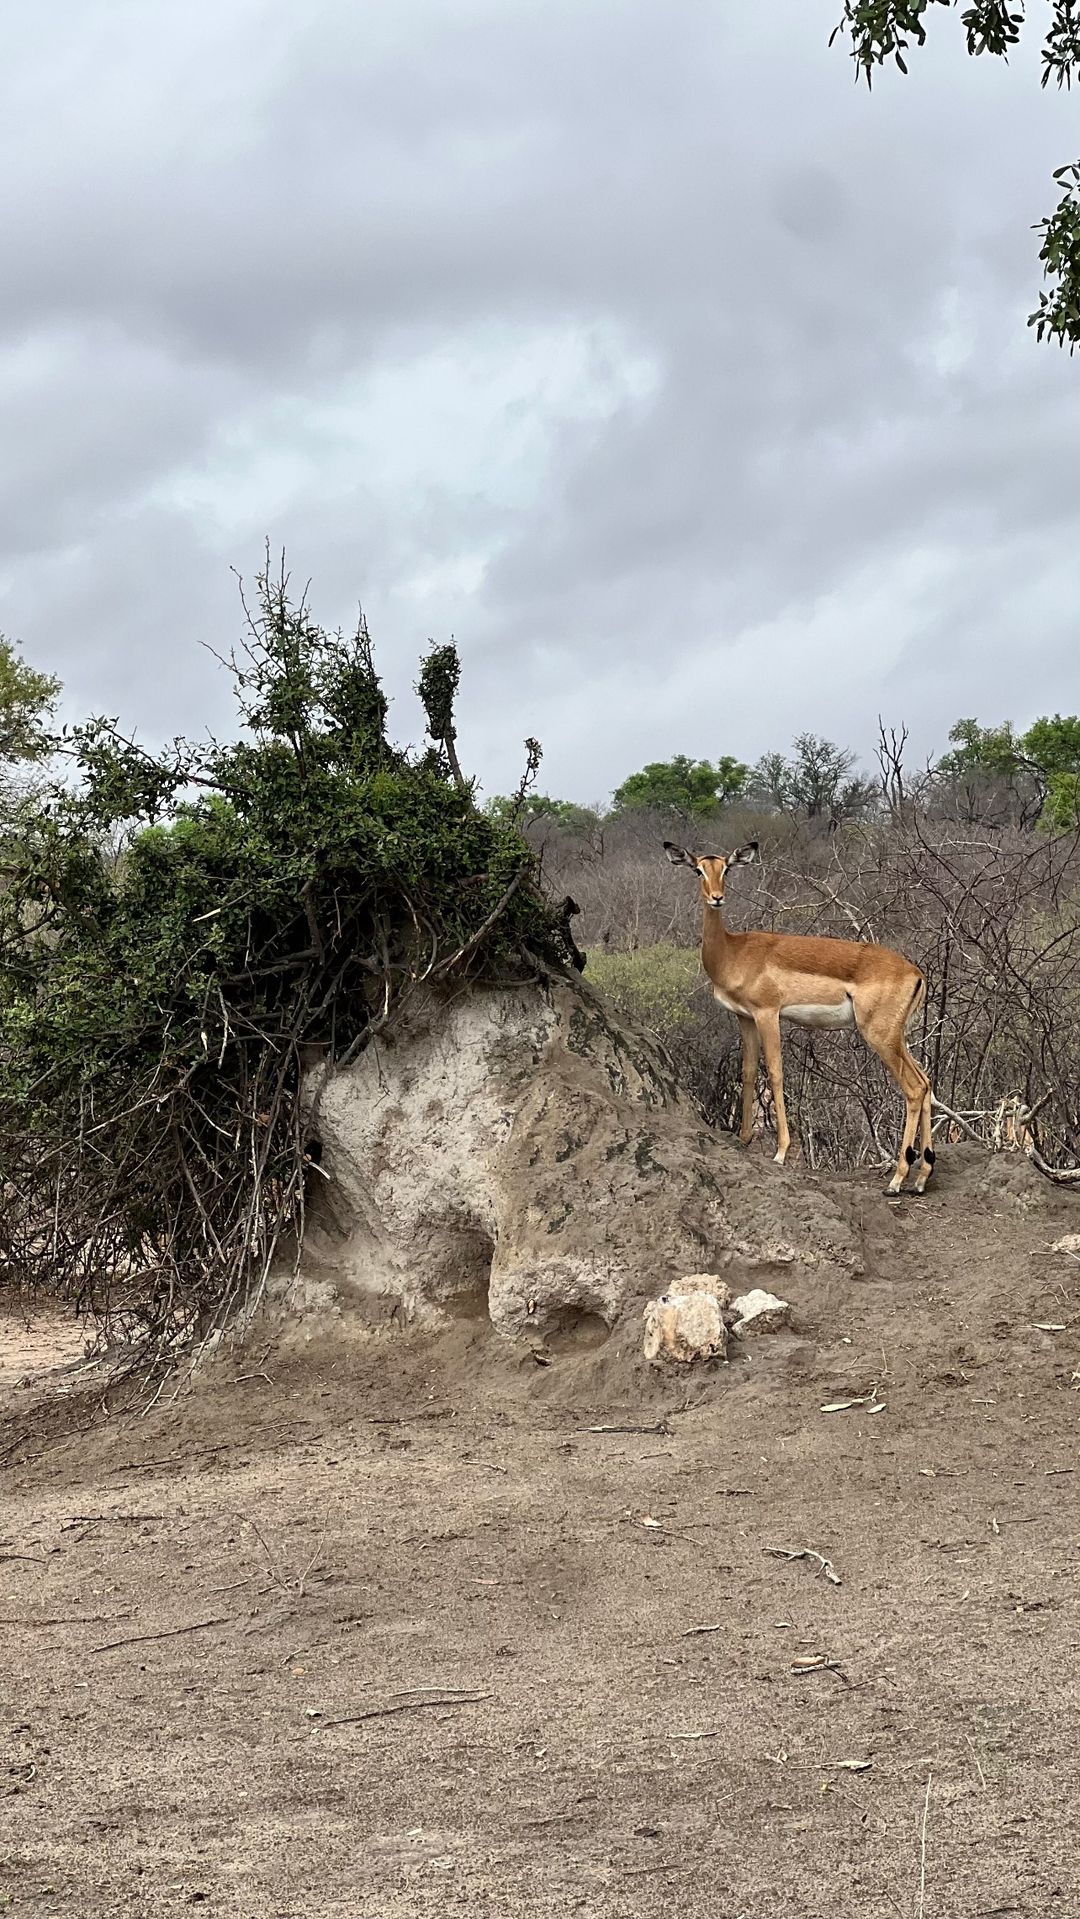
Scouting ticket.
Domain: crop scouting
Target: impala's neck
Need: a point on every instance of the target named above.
(715, 942)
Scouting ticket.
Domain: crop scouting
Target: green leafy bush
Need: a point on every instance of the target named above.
(181, 933)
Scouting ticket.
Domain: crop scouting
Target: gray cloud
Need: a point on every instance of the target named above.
(685, 384)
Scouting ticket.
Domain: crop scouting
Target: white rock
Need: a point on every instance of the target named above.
(685, 1326)
(760, 1312)
(1069, 1243)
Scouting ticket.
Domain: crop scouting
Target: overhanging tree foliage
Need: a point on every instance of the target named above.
(882, 30)
(272, 900)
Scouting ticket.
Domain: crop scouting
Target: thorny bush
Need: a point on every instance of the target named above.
(182, 933)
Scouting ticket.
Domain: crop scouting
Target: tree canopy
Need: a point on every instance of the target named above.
(1036, 772)
(682, 785)
(818, 782)
(881, 30)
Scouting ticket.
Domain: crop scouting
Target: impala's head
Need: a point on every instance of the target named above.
(711, 868)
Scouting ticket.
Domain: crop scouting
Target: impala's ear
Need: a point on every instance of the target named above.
(744, 855)
(678, 855)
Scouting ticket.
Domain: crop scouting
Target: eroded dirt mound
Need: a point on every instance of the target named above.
(524, 1156)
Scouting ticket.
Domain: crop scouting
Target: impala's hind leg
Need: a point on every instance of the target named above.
(926, 1142)
(885, 1035)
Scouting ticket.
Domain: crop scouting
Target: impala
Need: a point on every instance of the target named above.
(765, 977)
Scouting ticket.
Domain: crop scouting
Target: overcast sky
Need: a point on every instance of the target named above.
(626, 341)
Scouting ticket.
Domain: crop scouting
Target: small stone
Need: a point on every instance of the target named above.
(1069, 1243)
(760, 1312)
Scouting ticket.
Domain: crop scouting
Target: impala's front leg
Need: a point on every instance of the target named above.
(751, 1054)
(768, 1028)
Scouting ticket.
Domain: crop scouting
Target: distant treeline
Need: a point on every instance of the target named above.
(992, 775)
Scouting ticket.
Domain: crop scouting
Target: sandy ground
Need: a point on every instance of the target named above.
(380, 1627)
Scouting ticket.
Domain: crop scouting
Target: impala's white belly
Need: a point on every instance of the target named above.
(834, 1016)
(842, 1015)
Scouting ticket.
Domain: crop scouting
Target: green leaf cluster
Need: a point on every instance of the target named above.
(27, 700)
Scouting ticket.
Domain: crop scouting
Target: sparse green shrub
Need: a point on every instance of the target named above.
(655, 984)
(663, 988)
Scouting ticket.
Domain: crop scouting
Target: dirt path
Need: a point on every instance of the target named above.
(190, 1601)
